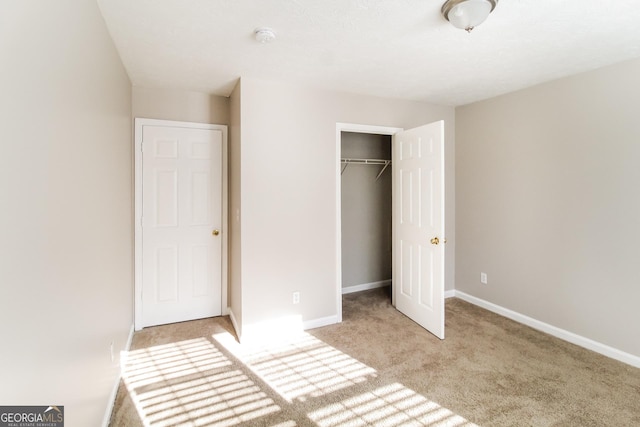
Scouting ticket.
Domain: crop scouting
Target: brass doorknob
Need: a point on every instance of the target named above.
(215, 232)
(435, 241)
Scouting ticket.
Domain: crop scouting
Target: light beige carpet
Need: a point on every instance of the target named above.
(375, 368)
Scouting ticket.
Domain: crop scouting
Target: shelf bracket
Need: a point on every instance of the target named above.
(383, 169)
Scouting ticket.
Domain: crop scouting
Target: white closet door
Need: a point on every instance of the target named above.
(418, 225)
(182, 219)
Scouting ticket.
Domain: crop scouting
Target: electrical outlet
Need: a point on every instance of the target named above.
(113, 358)
(296, 297)
(483, 278)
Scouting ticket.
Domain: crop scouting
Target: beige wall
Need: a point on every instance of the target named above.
(66, 191)
(235, 254)
(288, 192)
(548, 206)
(186, 106)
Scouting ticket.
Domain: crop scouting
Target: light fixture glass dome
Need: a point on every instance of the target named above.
(467, 14)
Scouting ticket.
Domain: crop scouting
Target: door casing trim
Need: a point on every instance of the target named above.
(357, 128)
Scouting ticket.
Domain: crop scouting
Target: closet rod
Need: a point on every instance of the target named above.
(384, 162)
(367, 161)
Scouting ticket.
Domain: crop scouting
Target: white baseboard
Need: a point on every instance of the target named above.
(271, 331)
(450, 294)
(365, 286)
(114, 391)
(287, 327)
(127, 346)
(318, 323)
(565, 335)
(234, 322)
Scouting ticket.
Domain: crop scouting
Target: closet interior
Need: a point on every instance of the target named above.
(365, 211)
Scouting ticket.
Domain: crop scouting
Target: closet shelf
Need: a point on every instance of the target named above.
(385, 163)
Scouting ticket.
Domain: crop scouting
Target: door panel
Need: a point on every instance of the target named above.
(166, 273)
(418, 217)
(181, 206)
(165, 189)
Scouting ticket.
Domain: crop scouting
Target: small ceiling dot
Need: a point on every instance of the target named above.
(264, 35)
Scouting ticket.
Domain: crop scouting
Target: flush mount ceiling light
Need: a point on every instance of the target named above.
(467, 14)
(264, 35)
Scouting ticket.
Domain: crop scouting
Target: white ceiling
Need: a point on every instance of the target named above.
(394, 49)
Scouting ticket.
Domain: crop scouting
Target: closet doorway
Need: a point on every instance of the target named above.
(364, 202)
(366, 211)
(415, 225)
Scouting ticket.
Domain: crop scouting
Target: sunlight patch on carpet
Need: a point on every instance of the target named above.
(389, 406)
(191, 382)
(301, 368)
(305, 368)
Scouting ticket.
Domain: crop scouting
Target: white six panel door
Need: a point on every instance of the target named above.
(418, 219)
(181, 212)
